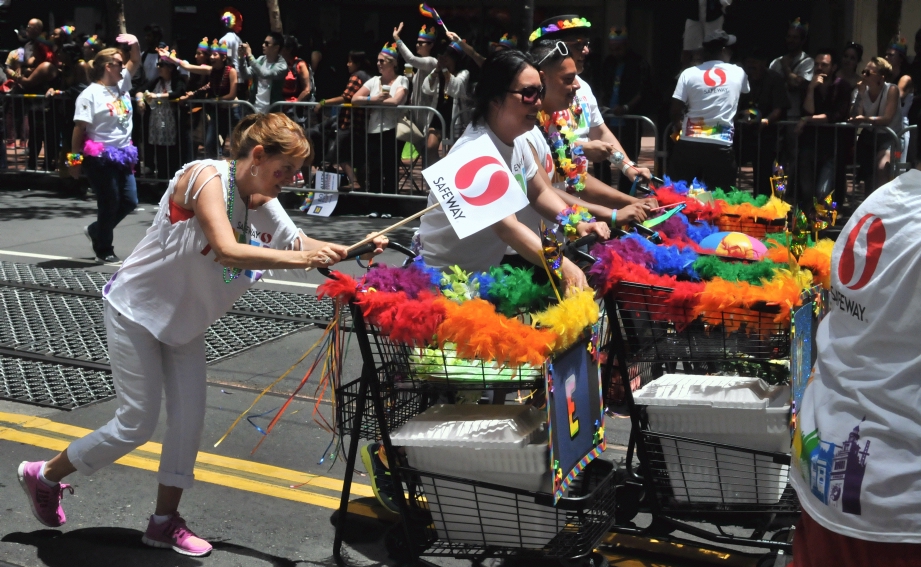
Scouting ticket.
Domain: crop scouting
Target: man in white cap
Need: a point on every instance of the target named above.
(703, 106)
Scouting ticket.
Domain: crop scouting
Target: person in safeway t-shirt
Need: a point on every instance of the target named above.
(705, 103)
(507, 100)
(857, 445)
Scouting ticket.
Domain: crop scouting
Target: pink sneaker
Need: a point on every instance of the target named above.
(45, 500)
(174, 533)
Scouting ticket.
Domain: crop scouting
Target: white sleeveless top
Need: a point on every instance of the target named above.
(878, 108)
(170, 284)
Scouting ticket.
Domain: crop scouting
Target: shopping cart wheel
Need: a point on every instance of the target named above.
(398, 548)
(628, 497)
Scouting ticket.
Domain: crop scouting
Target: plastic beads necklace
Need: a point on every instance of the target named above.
(571, 164)
(231, 197)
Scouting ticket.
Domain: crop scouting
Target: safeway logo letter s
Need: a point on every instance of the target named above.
(709, 79)
(495, 189)
(872, 240)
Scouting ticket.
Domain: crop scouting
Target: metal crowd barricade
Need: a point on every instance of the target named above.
(805, 172)
(630, 129)
(373, 162)
(909, 150)
(37, 129)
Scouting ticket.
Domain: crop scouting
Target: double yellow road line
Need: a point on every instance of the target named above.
(239, 474)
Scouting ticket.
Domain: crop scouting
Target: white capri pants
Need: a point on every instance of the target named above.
(143, 368)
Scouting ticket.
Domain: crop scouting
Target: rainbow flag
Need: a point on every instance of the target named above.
(429, 12)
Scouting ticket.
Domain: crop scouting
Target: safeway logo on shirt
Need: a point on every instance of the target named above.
(475, 187)
(714, 77)
(862, 252)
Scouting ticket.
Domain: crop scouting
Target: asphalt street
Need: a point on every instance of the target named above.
(272, 507)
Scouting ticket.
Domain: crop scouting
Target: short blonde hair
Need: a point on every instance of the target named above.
(102, 59)
(885, 69)
(275, 132)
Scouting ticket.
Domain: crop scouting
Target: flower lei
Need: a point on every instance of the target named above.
(572, 216)
(571, 164)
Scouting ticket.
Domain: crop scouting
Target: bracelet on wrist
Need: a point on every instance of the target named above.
(613, 218)
(323, 102)
(73, 160)
(572, 216)
(625, 164)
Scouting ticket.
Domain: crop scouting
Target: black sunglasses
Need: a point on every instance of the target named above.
(267, 44)
(866, 72)
(530, 95)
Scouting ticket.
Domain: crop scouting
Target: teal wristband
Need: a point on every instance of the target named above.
(614, 217)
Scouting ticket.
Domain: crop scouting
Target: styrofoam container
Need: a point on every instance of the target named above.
(472, 426)
(503, 445)
(733, 410)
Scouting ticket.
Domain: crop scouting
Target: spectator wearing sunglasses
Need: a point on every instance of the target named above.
(558, 75)
(877, 106)
(507, 99)
(416, 130)
(267, 72)
(704, 106)
(385, 90)
(583, 118)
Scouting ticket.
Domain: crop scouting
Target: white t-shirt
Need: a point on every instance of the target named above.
(857, 446)
(537, 140)
(107, 112)
(805, 68)
(382, 120)
(711, 92)
(441, 248)
(587, 117)
(233, 51)
(171, 285)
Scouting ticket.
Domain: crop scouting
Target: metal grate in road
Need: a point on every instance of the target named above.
(55, 385)
(63, 278)
(269, 302)
(232, 334)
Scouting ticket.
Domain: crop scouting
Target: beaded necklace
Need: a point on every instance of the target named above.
(571, 164)
(231, 197)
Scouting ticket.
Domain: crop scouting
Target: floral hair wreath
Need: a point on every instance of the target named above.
(560, 25)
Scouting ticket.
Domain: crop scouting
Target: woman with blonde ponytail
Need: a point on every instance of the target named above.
(219, 226)
(102, 143)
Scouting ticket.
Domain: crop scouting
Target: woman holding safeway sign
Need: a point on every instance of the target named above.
(507, 100)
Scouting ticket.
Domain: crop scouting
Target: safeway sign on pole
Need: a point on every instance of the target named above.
(475, 187)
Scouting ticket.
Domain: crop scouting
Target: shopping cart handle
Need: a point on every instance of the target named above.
(586, 240)
(400, 248)
(647, 232)
(361, 250)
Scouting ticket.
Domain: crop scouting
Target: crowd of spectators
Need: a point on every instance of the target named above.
(438, 70)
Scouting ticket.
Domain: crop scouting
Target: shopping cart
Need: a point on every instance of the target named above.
(448, 516)
(714, 491)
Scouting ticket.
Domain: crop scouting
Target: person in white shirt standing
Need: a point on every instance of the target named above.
(796, 67)
(704, 105)
(857, 441)
(102, 140)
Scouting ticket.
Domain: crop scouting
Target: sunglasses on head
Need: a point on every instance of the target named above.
(560, 48)
(530, 95)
